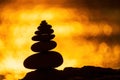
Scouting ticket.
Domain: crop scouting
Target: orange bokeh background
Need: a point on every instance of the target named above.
(19, 22)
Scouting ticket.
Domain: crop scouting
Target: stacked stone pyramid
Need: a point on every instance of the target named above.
(44, 57)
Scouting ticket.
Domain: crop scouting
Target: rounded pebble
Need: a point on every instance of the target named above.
(43, 37)
(43, 46)
(50, 59)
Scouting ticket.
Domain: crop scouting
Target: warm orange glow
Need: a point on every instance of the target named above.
(18, 27)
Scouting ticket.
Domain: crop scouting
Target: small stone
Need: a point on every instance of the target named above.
(43, 46)
(44, 31)
(44, 25)
(50, 59)
(43, 37)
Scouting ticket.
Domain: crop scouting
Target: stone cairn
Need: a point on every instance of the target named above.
(44, 61)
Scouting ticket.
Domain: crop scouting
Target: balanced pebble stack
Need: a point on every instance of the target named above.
(44, 57)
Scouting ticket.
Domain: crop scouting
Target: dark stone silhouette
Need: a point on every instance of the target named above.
(45, 61)
(49, 59)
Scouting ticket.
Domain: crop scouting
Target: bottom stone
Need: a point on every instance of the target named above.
(50, 59)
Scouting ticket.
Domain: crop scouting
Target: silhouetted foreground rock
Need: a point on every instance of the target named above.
(69, 73)
(91, 73)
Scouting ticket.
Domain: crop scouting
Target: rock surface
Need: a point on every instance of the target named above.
(70, 73)
(50, 59)
(43, 46)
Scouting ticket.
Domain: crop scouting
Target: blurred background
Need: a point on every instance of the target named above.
(87, 32)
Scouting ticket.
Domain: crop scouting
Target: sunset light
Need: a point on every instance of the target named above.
(81, 39)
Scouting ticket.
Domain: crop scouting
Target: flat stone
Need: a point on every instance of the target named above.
(44, 26)
(50, 59)
(44, 31)
(43, 46)
(43, 37)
